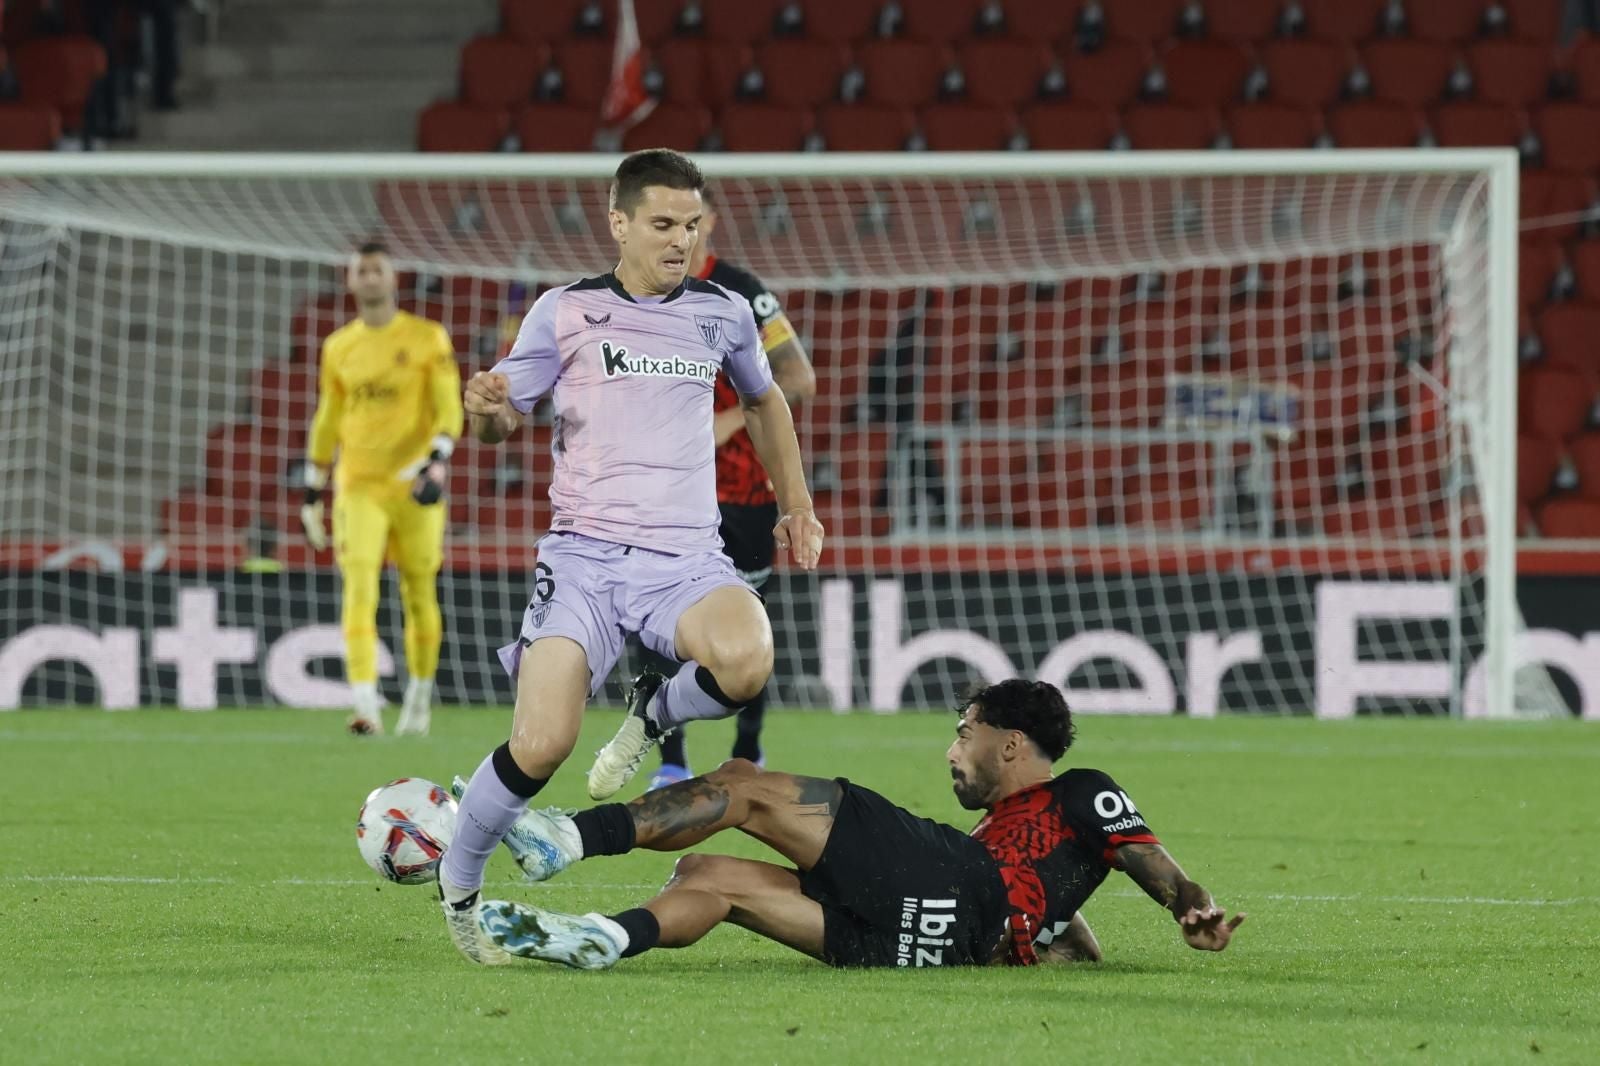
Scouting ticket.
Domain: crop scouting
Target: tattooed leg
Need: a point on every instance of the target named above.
(792, 815)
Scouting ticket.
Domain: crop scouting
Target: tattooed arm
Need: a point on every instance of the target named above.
(1202, 922)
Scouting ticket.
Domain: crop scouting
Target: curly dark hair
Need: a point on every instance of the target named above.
(652, 166)
(1036, 709)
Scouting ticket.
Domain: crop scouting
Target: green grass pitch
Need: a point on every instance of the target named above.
(185, 888)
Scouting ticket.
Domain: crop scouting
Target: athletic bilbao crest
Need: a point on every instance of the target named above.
(710, 329)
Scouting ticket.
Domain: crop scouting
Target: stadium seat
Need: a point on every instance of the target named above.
(283, 395)
(704, 73)
(60, 72)
(1273, 126)
(1206, 73)
(1547, 194)
(557, 128)
(1343, 20)
(194, 511)
(1167, 502)
(901, 73)
(669, 126)
(28, 127)
(1066, 486)
(585, 66)
(961, 127)
(499, 72)
(764, 128)
(1468, 125)
(1584, 62)
(1569, 517)
(739, 21)
(1534, 20)
(539, 21)
(449, 126)
(1148, 21)
(1537, 459)
(245, 461)
(1568, 134)
(1446, 21)
(939, 21)
(658, 20)
(1243, 21)
(1537, 264)
(1110, 75)
(1306, 73)
(1407, 72)
(801, 73)
(840, 21)
(1586, 267)
(1514, 73)
(1571, 336)
(1585, 453)
(1374, 124)
(1169, 127)
(1003, 72)
(864, 127)
(1553, 402)
(1068, 126)
(1046, 21)
(1307, 472)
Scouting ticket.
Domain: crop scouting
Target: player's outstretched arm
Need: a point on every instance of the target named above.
(1205, 926)
(771, 429)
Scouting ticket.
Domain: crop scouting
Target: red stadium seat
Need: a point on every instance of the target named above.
(939, 21)
(1570, 517)
(1343, 20)
(1066, 486)
(1004, 72)
(28, 127)
(194, 511)
(1568, 134)
(1273, 126)
(249, 462)
(1169, 127)
(959, 127)
(539, 21)
(656, 20)
(1068, 126)
(1571, 336)
(1585, 453)
(585, 65)
(1110, 75)
(1448, 21)
(739, 21)
(1168, 502)
(1534, 20)
(1042, 20)
(448, 126)
(1374, 124)
(60, 72)
(1407, 72)
(864, 128)
(840, 21)
(801, 73)
(1584, 63)
(703, 73)
(1537, 459)
(1308, 73)
(284, 395)
(1206, 73)
(1547, 194)
(499, 72)
(1243, 21)
(1464, 125)
(1537, 264)
(669, 126)
(1150, 21)
(557, 128)
(1586, 265)
(901, 73)
(1553, 402)
(1514, 73)
(764, 128)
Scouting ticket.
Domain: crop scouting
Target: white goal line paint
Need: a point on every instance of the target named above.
(363, 882)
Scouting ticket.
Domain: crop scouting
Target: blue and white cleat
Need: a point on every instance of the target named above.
(544, 842)
(670, 773)
(592, 942)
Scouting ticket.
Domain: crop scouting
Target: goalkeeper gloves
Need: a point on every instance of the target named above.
(311, 510)
(429, 485)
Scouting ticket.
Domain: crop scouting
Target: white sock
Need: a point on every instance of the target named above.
(419, 692)
(365, 696)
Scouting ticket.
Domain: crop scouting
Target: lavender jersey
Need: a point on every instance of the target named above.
(632, 380)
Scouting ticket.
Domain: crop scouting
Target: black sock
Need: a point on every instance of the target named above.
(672, 749)
(644, 932)
(511, 775)
(747, 739)
(605, 830)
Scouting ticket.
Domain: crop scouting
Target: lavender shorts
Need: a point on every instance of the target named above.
(595, 593)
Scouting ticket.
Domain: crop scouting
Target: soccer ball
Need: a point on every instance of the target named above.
(404, 828)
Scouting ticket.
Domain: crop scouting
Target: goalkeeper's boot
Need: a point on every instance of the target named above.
(416, 712)
(366, 719)
(669, 773)
(463, 916)
(617, 762)
(592, 942)
(543, 842)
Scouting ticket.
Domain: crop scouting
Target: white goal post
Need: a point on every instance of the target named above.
(1186, 432)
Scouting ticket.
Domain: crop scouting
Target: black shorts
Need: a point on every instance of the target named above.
(747, 538)
(898, 890)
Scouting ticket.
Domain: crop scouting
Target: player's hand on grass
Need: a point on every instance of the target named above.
(800, 532)
(487, 394)
(1208, 928)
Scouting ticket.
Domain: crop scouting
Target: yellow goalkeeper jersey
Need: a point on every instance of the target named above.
(383, 396)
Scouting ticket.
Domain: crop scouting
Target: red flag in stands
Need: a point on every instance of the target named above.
(626, 101)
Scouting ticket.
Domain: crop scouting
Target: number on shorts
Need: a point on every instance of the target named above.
(544, 584)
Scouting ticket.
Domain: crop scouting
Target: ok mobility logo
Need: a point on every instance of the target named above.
(620, 362)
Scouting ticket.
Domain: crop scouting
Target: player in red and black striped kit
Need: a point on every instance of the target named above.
(744, 495)
(867, 883)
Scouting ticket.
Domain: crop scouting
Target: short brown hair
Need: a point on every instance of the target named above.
(653, 166)
(373, 248)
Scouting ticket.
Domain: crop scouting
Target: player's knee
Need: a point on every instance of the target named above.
(701, 871)
(743, 668)
(737, 768)
(539, 754)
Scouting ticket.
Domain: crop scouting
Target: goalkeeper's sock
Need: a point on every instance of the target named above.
(495, 798)
(692, 694)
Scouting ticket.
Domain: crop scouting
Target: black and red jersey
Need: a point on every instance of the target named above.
(740, 477)
(1054, 844)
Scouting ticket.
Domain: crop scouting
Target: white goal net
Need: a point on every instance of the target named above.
(1195, 433)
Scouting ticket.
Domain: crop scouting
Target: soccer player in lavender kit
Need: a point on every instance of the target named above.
(630, 358)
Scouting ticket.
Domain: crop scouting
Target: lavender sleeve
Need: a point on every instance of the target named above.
(534, 361)
(747, 365)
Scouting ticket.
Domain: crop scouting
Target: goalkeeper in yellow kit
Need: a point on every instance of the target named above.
(389, 400)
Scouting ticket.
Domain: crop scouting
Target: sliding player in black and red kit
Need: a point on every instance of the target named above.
(744, 494)
(872, 884)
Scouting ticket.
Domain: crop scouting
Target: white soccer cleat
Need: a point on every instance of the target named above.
(544, 842)
(592, 942)
(617, 762)
(414, 719)
(366, 718)
(464, 920)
